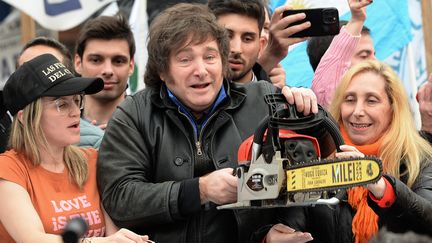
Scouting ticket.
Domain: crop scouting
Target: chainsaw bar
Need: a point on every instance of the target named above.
(333, 174)
(303, 184)
(276, 176)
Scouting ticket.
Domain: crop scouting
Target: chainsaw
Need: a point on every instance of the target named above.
(281, 165)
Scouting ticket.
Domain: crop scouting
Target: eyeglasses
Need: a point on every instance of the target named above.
(66, 106)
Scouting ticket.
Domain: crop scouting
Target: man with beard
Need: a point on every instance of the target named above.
(105, 48)
(244, 20)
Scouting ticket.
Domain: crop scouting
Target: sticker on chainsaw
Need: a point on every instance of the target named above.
(329, 175)
(255, 182)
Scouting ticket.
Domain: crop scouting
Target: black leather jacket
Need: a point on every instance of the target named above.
(260, 73)
(412, 211)
(147, 160)
(5, 125)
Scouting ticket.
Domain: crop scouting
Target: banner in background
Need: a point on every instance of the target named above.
(59, 14)
(410, 61)
(10, 44)
(139, 25)
(393, 23)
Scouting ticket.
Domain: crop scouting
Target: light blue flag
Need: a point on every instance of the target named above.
(390, 26)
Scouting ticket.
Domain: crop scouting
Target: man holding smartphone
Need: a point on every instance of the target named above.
(281, 36)
(250, 58)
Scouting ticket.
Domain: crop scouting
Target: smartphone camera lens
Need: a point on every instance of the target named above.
(330, 16)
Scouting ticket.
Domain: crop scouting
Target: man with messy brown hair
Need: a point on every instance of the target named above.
(168, 154)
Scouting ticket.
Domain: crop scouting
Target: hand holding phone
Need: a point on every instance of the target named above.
(324, 21)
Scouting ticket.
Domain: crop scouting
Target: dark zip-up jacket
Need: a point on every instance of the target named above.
(5, 125)
(260, 73)
(150, 161)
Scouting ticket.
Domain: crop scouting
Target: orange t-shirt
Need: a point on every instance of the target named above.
(54, 196)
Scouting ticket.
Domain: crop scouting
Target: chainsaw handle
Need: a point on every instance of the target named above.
(258, 137)
(284, 116)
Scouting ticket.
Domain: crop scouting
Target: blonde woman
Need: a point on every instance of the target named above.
(44, 179)
(374, 116)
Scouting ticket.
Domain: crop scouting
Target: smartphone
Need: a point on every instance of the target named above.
(324, 21)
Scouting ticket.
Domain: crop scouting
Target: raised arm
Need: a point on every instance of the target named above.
(279, 37)
(337, 59)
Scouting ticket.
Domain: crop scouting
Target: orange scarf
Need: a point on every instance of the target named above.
(365, 221)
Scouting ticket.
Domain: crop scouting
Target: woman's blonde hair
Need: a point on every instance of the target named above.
(27, 138)
(402, 143)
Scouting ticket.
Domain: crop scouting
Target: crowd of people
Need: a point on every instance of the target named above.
(154, 166)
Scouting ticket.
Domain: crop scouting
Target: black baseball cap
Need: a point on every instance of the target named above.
(43, 76)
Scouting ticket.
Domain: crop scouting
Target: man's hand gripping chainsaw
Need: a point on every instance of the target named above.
(283, 166)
